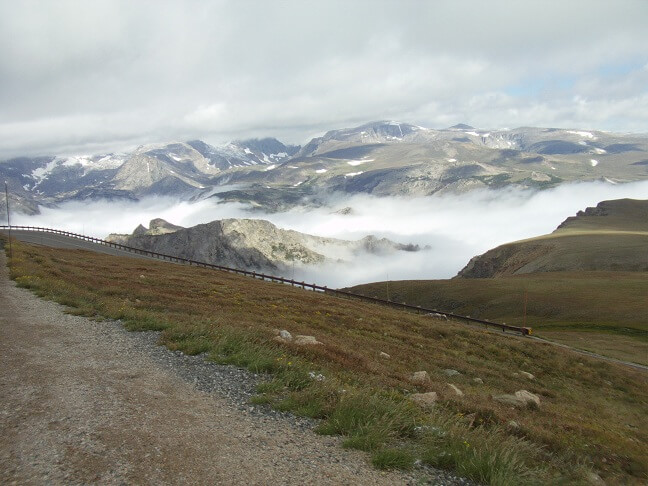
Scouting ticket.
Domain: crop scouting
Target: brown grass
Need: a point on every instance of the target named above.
(619, 347)
(593, 413)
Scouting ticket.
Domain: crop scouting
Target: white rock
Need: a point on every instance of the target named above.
(521, 398)
(420, 377)
(450, 372)
(306, 340)
(384, 355)
(478, 380)
(528, 397)
(424, 399)
(593, 478)
(285, 335)
(457, 391)
(527, 375)
(509, 400)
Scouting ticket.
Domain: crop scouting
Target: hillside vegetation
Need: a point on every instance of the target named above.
(585, 284)
(611, 236)
(591, 418)
(603, 312)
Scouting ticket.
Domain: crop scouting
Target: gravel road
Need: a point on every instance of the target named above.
(88, 402)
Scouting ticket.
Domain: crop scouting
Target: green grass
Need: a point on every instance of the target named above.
(392, 458)
(592, 413)
(613, 302)
(602, 312)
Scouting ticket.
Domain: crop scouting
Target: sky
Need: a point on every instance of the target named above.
(79, 77)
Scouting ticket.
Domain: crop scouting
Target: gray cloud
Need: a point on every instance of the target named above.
(78, 76)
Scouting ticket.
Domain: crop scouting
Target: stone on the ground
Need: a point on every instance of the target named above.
(424, 399)
(513, 425)
(527, 375)
(420, 377)
(282, 336)
(478, 380)
(593, 478)
(306, 340)
(384, 355)
(528, 396)
(450, 372)
(457, 391)
(520, 399)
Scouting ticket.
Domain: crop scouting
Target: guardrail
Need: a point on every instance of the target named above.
(525, 331)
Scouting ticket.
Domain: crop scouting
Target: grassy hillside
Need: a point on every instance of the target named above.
(592, 415)
(610, 237)
(557, 305)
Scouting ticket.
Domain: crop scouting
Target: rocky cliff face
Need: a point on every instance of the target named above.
(252, 244)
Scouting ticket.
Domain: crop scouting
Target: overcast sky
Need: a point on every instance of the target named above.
(89, 76)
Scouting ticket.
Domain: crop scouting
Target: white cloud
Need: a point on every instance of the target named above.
(456, 227)
(217, 70)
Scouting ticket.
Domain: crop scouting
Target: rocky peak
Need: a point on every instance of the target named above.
(159, 226)
(140, 230)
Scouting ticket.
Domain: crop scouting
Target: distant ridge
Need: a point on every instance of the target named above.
(613, 236)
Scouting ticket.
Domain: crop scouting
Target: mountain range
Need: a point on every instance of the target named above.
(381, 158)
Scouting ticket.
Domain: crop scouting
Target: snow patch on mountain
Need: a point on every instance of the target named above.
(359, 162)
(582, 134)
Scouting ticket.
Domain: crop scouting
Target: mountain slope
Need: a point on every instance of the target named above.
(253, 244)
(611, 236)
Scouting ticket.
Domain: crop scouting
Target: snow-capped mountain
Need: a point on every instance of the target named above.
(382, 158)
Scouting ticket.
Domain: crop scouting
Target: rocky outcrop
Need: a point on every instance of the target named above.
(252, 244)
(503, 260)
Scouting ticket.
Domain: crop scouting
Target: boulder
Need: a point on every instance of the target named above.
(510, 400)
(450, 372)
(457, 391)
(384, 355)
(478, 381)
(306, 340)
(527, 375)
(420, 377)
(285, 335)
(520, 399)
(424, 399)
(282, 336)
(528, 397)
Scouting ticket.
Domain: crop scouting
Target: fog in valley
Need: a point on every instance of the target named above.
(450, 229)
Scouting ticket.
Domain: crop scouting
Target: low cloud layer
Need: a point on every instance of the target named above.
(77, 77)
(455, 227)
